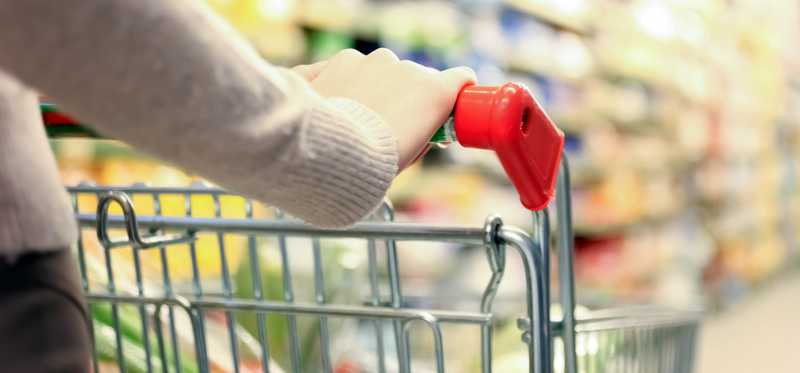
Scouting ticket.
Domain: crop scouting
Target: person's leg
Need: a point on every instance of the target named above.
(43, 319)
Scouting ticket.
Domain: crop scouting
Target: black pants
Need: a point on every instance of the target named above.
(43, 318)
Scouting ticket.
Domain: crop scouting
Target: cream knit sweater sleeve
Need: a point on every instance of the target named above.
(169, 78)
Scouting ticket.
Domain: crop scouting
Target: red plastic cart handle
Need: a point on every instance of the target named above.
(508, 120)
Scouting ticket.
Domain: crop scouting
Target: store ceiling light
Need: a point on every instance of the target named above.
(277, 9)
(573, 7)
(655, 19)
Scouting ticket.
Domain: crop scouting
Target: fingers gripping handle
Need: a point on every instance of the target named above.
(508, 120)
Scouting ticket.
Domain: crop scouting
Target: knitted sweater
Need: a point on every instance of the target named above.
(170, 79)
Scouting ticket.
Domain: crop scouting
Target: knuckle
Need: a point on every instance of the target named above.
(348, 54)
(383, 53)
(467, 72)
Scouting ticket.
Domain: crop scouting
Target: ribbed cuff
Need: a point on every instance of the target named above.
(352, 160)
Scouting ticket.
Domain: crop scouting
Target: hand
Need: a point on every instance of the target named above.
(413, 99)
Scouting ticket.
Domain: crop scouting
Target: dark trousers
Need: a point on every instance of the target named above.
(43, 318)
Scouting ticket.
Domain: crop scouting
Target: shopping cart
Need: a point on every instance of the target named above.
(147, 319)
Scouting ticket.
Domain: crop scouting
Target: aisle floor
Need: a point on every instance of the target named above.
(759, 335)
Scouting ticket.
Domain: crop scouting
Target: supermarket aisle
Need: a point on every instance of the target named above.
(759, 335)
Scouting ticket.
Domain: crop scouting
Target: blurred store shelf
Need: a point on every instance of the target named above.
(672, 109)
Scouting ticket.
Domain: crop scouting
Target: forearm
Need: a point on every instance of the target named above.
(166, 77)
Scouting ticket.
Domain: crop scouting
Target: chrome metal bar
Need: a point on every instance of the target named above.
(343, 311)
(438, 342)
(692, 340)
(539, 331)
(288, 296)
(227, 290)
(661, 349)
(197, 289)
(136, 242)
(682, 347)
(130, 222)
(258, 294)
(143, 316)
(395, 290)
(542, 219)
(167, 281)
(635, 350)
(330, 310)
(688, 348)
(375, 301)
(679, 350)
(114, 311)
(637, 321)
(487, 329)
(162, 350)
(496, 255)
(669, 359)
(111, 286)
(663, 344)
(319, 295)
(389, 231)
(648, 356)
(566, 271)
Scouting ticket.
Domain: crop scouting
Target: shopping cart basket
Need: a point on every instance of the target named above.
(148, 320)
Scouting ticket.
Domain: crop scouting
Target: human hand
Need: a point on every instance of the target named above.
(412, 99)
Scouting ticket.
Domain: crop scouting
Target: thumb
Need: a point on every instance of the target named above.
(457, 77)
(310, 72)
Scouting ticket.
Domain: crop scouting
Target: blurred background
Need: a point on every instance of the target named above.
(681, 117)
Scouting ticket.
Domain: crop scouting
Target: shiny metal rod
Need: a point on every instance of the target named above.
(539, 360)
(566, 270)
(377, 230)
(220, 303)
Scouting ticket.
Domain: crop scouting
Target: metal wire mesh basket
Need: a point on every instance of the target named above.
(197, 280)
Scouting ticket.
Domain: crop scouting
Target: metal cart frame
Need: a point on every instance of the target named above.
(643, 339)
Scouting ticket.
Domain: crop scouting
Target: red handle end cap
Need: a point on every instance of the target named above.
(508, 120)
